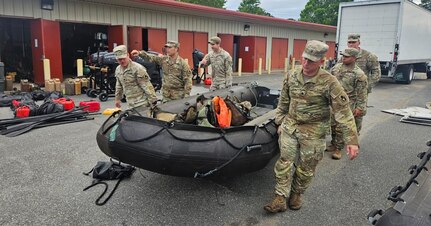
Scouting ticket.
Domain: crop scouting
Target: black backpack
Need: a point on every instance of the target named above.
(109, 170)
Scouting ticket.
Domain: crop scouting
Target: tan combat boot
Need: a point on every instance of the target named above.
(336, 154)
(295, 201)
(278, 204)
(330, 148)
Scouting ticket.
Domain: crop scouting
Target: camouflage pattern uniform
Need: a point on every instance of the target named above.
(367, 62)
(177, 76)
(304, 114)
(133, 81)
(354, 83)
(221, 69)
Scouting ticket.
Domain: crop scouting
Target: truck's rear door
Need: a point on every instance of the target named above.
(376, 22)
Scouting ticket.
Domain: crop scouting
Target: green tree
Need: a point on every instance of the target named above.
(252, 6)
(426, 4)
(321, 11)
(211, 3)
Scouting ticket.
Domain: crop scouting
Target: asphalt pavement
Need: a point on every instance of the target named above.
(42, 181)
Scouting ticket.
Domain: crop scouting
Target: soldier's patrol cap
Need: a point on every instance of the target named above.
(120, 51)
(174, 44)
(315, 50)
(350, 52)
(214, 40)
(353, 37)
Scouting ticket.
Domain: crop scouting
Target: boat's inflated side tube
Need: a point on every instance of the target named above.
(184, 150)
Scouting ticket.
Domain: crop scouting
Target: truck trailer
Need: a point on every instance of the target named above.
(397, 31)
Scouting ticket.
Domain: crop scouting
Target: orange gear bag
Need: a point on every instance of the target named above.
(223, 113)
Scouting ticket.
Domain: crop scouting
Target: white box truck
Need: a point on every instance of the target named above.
(397, 31)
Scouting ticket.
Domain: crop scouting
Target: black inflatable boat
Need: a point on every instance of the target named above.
(188, 150)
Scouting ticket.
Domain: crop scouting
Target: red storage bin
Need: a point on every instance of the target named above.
(22, 112)
(91, 105)
(67, 103)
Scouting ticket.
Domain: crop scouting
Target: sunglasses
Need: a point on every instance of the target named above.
(351, 42)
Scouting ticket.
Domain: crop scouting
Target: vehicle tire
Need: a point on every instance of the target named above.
(93, 93)
(407, 74)
(103, 97)
(88, 92)
(84, 89)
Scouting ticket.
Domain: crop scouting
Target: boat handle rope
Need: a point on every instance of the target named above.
(172, 124)
(104, 131)
(222, 136)
(115, 113)
(202, 175)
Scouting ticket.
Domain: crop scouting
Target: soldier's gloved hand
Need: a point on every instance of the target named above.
(134, 53)
(357, 112)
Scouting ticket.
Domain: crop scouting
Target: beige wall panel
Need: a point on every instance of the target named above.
(8, 7)
(71, 14)
(79, 10)
(180, 21)
(18, 7)
(107, 18)
(143, 18)
(28, 8)
(86, 12)
(164, 21)
(195, 25)
(131, 17)
(159, 20)
(2, 12)
(113, 15)
(100, 14)
(56, 12)
(120, 17)
(151, 19)
(148, 19)
(62, 10)
(93, 15)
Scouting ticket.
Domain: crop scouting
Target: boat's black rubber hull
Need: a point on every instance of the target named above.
(184, 150)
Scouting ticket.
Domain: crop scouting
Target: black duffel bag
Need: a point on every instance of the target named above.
(49, 107)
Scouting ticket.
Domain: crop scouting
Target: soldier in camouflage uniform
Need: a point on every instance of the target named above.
(303, 116)
(132, 81)
(366, 61)
(354, 82)
(177, 76)
(221, 63)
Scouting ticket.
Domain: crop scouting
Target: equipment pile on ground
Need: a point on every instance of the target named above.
(413, 115)
(17, 126)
